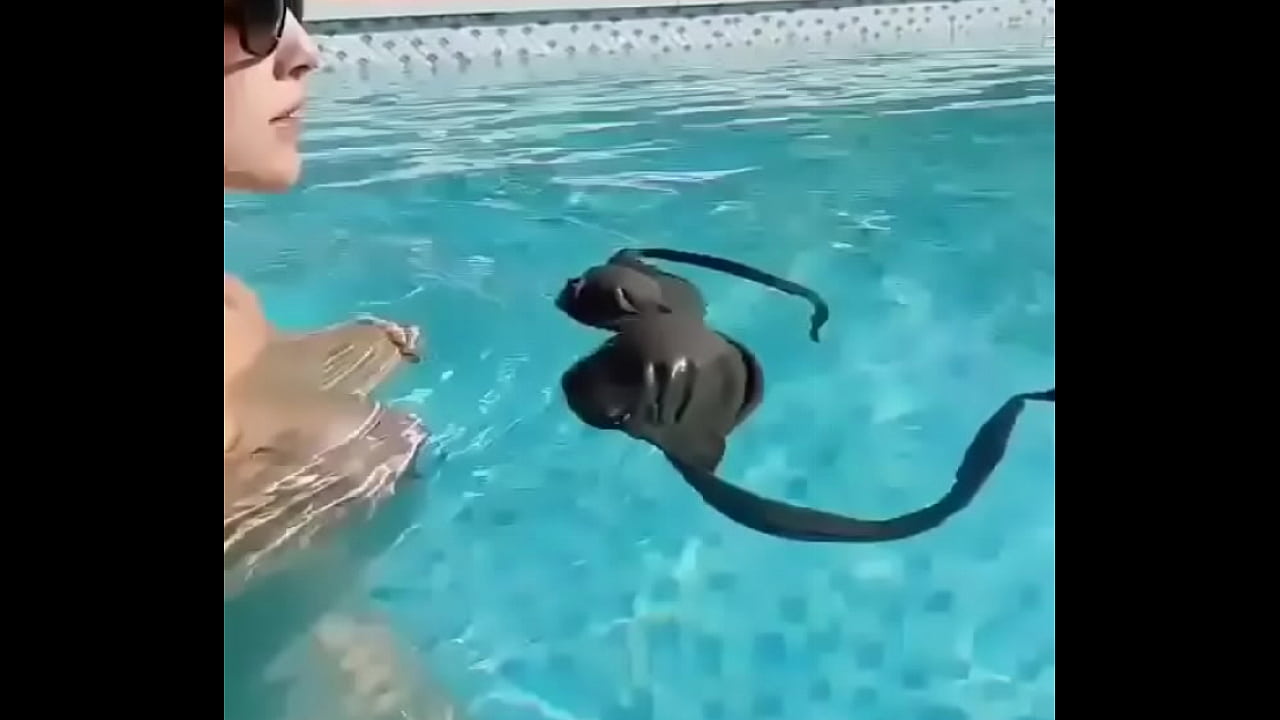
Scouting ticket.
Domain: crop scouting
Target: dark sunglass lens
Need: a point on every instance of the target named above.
(295, 6)
(263, 21)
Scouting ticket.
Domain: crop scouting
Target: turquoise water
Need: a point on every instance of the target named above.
(547, 570)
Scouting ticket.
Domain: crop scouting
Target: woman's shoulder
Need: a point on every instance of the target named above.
(245, 330)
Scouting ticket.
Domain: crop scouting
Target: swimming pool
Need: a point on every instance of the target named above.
(553, 571)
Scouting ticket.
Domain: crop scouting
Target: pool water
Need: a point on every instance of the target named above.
(548, 570)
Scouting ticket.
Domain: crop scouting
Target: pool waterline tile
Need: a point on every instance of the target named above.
(458, 38)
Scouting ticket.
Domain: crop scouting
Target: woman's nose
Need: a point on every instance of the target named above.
(297, 54)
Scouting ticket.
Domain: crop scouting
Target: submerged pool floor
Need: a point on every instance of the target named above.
(555, 571)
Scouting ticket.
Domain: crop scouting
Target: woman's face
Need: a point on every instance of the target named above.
(262, 103)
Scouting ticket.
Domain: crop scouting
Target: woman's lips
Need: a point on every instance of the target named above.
(293, 114)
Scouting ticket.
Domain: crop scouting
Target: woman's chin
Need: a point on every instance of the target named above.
(274, 178)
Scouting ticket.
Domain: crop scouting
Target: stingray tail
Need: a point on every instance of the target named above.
(710, 262)
(793, 522)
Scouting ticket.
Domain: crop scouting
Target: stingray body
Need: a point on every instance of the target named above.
(665, 378)
(668, 380)
(312, 446)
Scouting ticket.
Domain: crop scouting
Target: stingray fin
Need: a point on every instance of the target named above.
(703, 450)
(670, 390)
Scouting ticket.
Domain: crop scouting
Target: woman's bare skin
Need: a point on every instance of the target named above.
(352, 357)
(303, 444)
(348, 358)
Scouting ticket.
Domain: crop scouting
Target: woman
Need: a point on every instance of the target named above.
(266, 58)
(301, 440)
(302, 443)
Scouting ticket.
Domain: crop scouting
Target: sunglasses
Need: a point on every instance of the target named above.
(261, 22)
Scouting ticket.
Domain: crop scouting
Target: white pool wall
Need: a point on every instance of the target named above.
(461, 36)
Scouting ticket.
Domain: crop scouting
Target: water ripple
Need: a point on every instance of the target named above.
(567, 572)
(418, 134)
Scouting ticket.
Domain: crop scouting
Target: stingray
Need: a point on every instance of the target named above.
(311, 446)
(665, 378)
